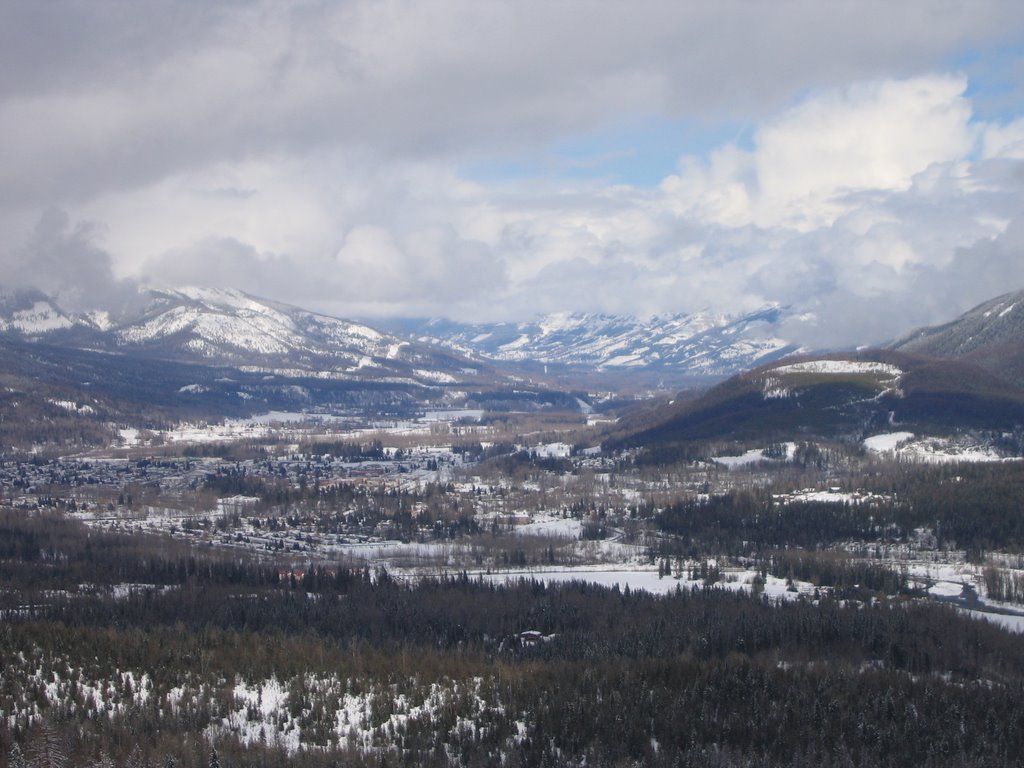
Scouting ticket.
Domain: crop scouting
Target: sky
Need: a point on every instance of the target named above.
(861, 162)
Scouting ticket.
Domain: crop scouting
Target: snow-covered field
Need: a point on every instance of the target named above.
(840, 367)
(934, 450)
(647, 579)
(753, 456)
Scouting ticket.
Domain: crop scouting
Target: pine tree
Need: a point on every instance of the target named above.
(15, 758)
(46, 749)
(135, 758)
(214, 758)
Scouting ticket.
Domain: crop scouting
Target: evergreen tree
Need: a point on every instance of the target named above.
(46, 750)
(16, 758)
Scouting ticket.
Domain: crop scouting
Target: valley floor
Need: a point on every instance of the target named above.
(445, 591)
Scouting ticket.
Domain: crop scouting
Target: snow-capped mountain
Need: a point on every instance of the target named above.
(30, 313)
(229, 325)
(231, 328)
(704, 344)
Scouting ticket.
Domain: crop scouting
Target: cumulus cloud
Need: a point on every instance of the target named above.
(317, 153)
(805, 161)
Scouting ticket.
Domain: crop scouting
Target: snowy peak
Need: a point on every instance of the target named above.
(214, 323)
(31, 313)
(702, 344)
(234, 329)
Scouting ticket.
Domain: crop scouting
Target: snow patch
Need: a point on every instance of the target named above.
(887, 442)
(840, 367)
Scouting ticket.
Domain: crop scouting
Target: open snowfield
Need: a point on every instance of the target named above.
(930, 450)
(647, 579)
(840, 367)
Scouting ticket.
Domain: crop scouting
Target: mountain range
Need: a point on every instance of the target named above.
(700, 346)
(223, 352)
(231, 328)
(208, 354)
(228, 328)
(961, 376)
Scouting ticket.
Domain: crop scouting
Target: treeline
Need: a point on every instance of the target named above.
(1004, 585)
(46, 551)
(746, 520)
(978, 505)
(973, 506)
(845, 577)
(731, 710)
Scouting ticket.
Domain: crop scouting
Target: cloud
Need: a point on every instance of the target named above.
(370, 274)
(63, 260)
(893, 186)
(1006, 141)
(875, 136)
(105, 96)
(316, 153)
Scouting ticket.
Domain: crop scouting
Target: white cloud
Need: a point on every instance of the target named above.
(805, 162)
(311, 152)
(885, 197)
(1005, 141)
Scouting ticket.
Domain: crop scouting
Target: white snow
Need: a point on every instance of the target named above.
(129, 436)
(557, 527)
(931, 450)
(647, 579)
(439, 376)
(1013, 623)
(829, 496)
(840, 367)
(753, 456)
(552, 451)
(41, 318)
(889, 441)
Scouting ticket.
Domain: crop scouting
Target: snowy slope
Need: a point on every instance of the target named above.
(31, 313)
(990, 336)
(701, 344)
(992, 324)
(217, 323)
(231, 328)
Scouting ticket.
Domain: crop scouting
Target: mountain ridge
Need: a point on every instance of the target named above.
(837, 396)
(228, 327)
(702, 345)
(991, 336)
